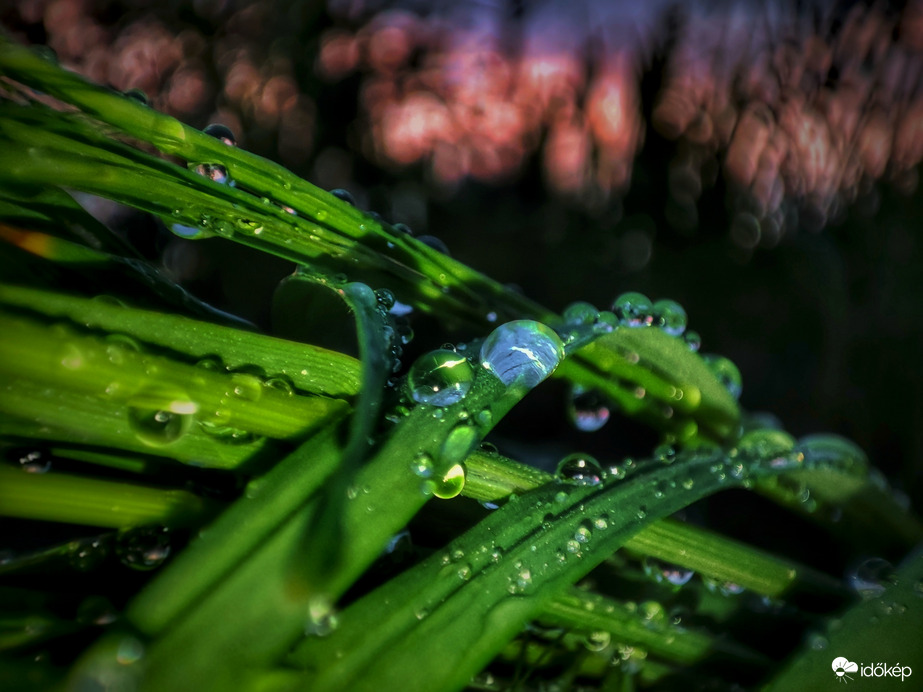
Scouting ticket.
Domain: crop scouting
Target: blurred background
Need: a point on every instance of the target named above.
(757, 162)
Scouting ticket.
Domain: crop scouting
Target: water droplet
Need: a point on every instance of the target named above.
(36, 460)
(665, 454)
(130, 650)
(403, 228)
(222, 132)
(449, 485)
(726, 373)
(344, 195)
(440, 378)
(580, 469)
(157, 428)
(136, 94)
(435, 243)
(458, 444)
(633, 309)
(693, 340)
(655, 617)
(422, 465)
(580, 314)
(766, 444)
(870, 578)
(723, 588)
(213, 171)
(522, 352)
(583, 534)
(96, 610)
(669, 316)
(86, 554)
(144, 548)
(597, 641)
(282, 384)
(246, 387)
(322, 618)
(666, 573)
(587, 409)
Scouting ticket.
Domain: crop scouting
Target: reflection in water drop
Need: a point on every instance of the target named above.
(440, 378)
(522, 352)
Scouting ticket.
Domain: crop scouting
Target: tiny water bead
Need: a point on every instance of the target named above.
(221, 132)
(344, 195)
(522, 352)
(440, 378)
(726, 373)
(157, 428)
(143, 548)
(422, 465)
(580, 469)
(669, 316)
(666, 573)
(587, 409)
(633, 309)
(693, 340)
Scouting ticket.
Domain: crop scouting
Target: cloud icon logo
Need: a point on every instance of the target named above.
(842, 666)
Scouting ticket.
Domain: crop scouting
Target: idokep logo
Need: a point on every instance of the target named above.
(842, 667)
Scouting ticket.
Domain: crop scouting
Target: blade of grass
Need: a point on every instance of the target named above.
(440, 622)
(94, 502)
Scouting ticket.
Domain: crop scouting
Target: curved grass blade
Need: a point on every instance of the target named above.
(309, 368)
(438, 637)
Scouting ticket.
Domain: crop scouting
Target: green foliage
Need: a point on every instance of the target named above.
(282, 585)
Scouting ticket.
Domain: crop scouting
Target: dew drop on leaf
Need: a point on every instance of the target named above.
(587, 409)
(871, 577)
(221, 132)
(580, 469)
(669, 316)
(144, 548)
(344, 195)
(440, 378)
(213, 171)
(157, 428)
(522, 352)
(726, 373)
(666, 573)
(693, 340)
(633, 309)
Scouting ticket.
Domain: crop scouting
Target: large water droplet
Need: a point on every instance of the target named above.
(157, 428)
(440, 378)
(522, 352)
(588, 410)
(633, 309)
(580, 469)
(143, 548)
(669, 316)
(726, 373)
